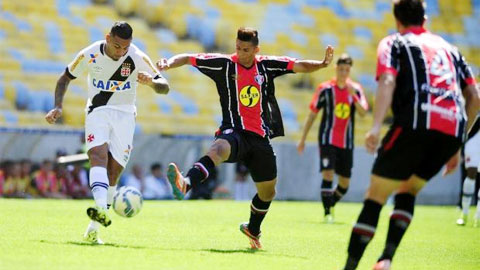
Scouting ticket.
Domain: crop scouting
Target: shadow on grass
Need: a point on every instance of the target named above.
(77, 243)
(228, 251)
(252, 251)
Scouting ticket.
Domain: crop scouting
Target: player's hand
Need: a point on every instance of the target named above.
(328, 55)
(53, 115)
(371, 140)
(301, 147)
(162, 64)
(451, 164)
(351, 90)
(144, 78)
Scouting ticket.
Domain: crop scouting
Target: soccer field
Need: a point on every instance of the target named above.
(47, 234)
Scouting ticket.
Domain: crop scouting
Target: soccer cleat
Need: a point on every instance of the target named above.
(383, 265)
(254, 240)
(92, 237)
(99, 215)
(328, 218)
(179, 186)
(462, 220)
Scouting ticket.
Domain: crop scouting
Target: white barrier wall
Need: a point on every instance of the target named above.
(298, 176)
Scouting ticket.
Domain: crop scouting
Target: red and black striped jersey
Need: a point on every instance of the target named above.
(338, 120)
(430, 75)
(247, 95)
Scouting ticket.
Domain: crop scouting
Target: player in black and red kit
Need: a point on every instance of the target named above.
(422, 77)
(251, 117)
(340, 98)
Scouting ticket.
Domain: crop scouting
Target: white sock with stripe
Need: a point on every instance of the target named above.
(99, 185)
(468, 190)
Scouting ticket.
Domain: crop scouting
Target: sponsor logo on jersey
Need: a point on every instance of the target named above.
(125, 70)
(93, 58)
(77, 61)
(149, 63)
(342, 110)
(249, 96)
(111, 86)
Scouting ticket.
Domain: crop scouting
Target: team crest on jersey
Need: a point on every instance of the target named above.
(93, 58)
(342, 110)
(90, 138)
(125, 70)
(259, 79)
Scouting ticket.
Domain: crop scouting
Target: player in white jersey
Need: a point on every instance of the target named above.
(115, 68)
(472, 165)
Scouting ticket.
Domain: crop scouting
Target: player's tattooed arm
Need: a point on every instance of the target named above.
(472, 103)
(159, 84)
(173, 62)
(306, 66)
(60, 90)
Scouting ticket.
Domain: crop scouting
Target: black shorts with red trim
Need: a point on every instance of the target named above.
(405, 152)
(254, 151)
(338, 159)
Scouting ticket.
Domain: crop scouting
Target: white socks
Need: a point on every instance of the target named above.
(477, 216)
(468, 190)
(110, 193)
(99, 185)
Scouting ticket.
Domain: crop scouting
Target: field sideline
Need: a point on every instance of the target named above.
(191, 235)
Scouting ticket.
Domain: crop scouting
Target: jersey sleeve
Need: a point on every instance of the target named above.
(146, 65)
(464, 71)
(359, 96)
(210, 64)
(77, 66)
(387, 57)
(318, 99)
(278, 65)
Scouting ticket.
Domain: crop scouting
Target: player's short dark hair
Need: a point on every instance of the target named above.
(248, 34)
(409, 12)
(156, 166)
(122, 30)
(345, 59)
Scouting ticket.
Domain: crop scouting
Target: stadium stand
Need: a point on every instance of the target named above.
(40, 37)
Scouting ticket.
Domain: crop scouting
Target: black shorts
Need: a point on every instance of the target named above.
(405, 152)
(256, 153)
(338, 159)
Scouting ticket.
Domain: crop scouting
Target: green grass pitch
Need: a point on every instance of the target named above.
(192, 235)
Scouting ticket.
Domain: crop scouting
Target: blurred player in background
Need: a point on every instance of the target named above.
(115, 68)
(472, 162)
(251, 117)
(341, 98)
(422, 77)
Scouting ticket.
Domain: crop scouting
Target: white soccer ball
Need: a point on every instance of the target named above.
(127, 202)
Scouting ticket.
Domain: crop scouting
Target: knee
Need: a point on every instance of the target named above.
(98, 157)
(219, 151)
(267, 195)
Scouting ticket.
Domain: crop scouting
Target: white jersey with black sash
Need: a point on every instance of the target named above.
(111, 83)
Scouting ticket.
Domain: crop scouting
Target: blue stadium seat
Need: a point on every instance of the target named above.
(363, 32)
(166, 36)
(20, 24)
(54, 38)
(95, 34)
(10, 117)
(23, 95)
(355, 52)
(188, 105)
(163, 105)
(329, 39)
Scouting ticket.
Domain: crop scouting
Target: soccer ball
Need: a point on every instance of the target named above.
(127, 202)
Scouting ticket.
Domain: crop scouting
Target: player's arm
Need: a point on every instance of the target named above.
(60, 89)
(471, 93)
(157, 83)
(306, 128)
(359, 100)
(174, 61)
(307, 66)
(383, 100)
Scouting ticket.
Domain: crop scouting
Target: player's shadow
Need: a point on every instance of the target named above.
(77, 243)
(252, 251)
(229, 251)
